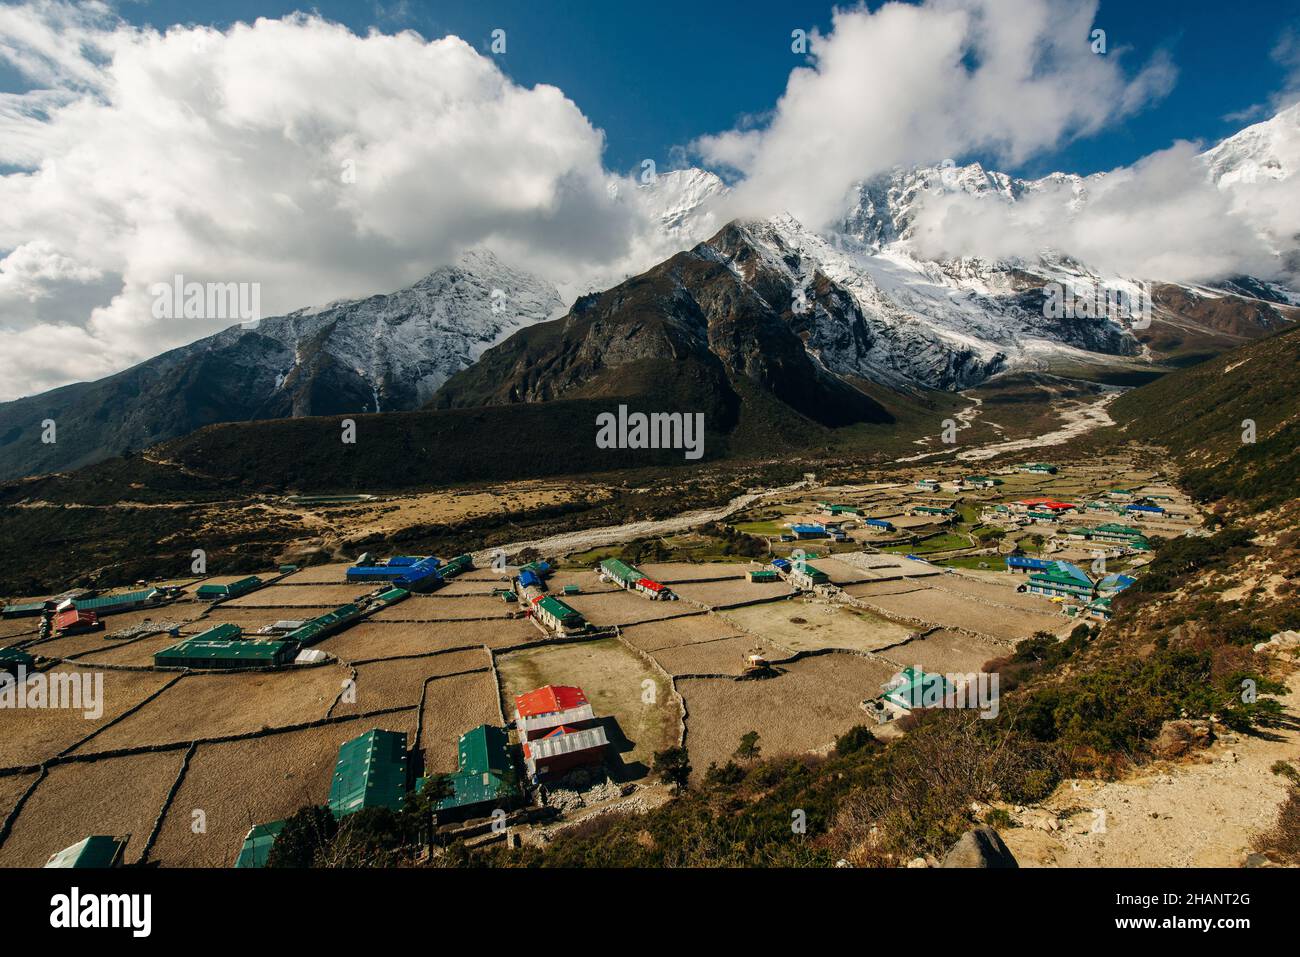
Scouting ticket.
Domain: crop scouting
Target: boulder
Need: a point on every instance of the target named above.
(1178, 737)
(979, 847)
(1281, 641)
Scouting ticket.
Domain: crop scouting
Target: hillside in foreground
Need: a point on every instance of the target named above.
(1205, 416)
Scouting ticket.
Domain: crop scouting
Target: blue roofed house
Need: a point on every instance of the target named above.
(1113, 584)
(809, 531)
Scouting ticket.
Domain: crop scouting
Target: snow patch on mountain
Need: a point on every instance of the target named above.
(405, 344)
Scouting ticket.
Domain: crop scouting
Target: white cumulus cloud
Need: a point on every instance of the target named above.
(291, 153)
(913, 84)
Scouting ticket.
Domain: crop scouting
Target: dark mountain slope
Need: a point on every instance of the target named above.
(385, 352)
(691, 311)
(1200, 415)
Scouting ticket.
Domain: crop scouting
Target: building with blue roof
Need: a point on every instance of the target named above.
(1113, 584)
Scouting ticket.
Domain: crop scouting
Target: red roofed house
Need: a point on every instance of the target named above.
(73, 622)
(648, 586)
(559, 730)
(1041, 504)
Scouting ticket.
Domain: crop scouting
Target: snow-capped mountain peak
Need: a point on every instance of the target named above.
(1267, 150)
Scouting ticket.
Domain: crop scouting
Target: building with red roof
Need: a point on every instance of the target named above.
(559, 730)
(538, 712)
(73, 622)
(1041, 504)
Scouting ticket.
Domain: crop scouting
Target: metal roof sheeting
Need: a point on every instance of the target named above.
(566, 742)
(550, 699)
(258, 843)
(627, 574)
(486, 771)
(458, 565)
(98, 850)
(210, 653)
(128, 599)
(24, 609)
(370, 772)
(324, 625)
(561, 610)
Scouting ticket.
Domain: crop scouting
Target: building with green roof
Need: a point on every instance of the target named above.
(23, 609)
(913, 688)
(621, 572)
(486, 773)
(257, 844)
(325, 625)
(11, 658)
(559, 614)
(803, 575)
(214, 592)
(225, 647)
(1061, 579)
(371, 771)
(122, 601)
(96, 851)
(1115, 532)
(457, 566)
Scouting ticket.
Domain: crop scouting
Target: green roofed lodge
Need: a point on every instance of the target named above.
(621, 572)
(96, 851)
(370, 772)
(213, 592)
(486, 773)
(225, 647)
(257, 844)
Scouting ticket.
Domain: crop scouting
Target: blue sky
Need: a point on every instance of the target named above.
(323, 162)
(654, 76)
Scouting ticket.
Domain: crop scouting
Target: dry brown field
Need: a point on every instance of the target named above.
(332, 574)
(627, 608)
(453, 608)
(32, 736)
(391, 639)
(241, 783)
(1003, 592)
(115, 796)
(453, 706)
(288, 596)
(139, 652)
(725, 656)
(215, 705)
(12, 787)
(670, 572)
(399, 682)
(736, 591)
(653, 635)
(946, 652)
(950, 611)
(802, 710)
(810, 626)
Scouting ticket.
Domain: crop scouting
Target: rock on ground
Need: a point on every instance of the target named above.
(979, 847)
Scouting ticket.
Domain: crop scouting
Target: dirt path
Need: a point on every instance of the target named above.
(1204, 813)
(580, 541)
